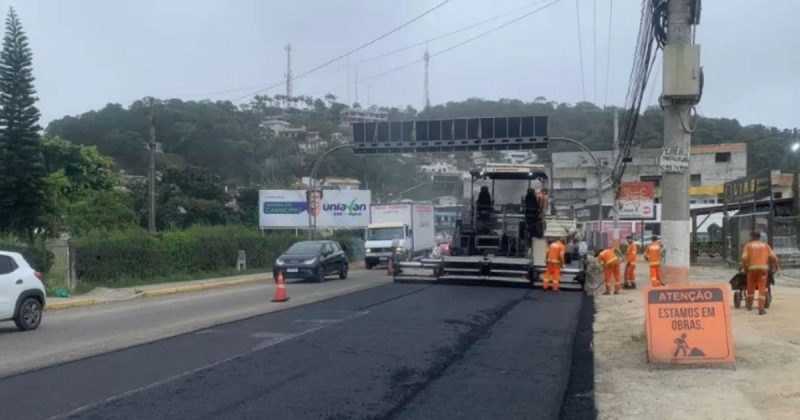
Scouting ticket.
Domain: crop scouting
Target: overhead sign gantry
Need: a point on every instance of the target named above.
(451, 135)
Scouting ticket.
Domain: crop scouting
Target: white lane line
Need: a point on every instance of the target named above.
(269, 342)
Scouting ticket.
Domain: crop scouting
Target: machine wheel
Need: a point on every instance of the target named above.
(737, 299)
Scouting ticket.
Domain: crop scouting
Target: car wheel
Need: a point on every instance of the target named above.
(320, 274)
(343, 271)
(368, 266)
(29, 316)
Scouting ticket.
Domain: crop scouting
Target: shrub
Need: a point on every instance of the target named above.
(39, 257)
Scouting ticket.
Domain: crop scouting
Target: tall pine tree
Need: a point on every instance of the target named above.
(23, 196)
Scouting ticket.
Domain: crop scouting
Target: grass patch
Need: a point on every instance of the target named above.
(84, 287)
(639, 337)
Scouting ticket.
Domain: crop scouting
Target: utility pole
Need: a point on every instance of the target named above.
(151, 172)
(288, 74)
(356, 82)
(681, 91)
(427, 58)
(614, 153)
(349, 104)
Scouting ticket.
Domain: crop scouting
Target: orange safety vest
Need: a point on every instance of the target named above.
(555, 253)
(757, 255)
(608, 257)
(632, 253)
(653, 254)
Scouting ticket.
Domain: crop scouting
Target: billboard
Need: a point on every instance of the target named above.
(637, 209)
(334, 208)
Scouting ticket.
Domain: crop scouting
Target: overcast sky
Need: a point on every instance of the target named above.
(91, 52)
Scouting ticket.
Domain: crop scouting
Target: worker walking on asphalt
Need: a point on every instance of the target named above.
(630, 263)
(652, 253)
(757, 257)
(555, 260)
(610, 262)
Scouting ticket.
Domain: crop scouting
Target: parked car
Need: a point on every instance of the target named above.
(22, 295)
(314, 260)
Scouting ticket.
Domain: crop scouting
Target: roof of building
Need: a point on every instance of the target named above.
(720, 148)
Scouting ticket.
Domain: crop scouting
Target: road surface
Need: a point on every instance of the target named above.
(76, 333)
(393, 351)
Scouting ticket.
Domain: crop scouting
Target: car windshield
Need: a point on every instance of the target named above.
(384, 234)
(304, 248)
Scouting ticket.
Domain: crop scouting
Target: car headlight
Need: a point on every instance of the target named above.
(309, 262)
(279, 261)
(369, 250)
(399, 249)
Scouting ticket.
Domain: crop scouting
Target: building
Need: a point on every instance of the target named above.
(438, 167)
(710, 166)
(331, 183)
(278, 127)
(312, 142)
(354, 115)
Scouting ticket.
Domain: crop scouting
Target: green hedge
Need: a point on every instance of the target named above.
(39, 257)
(117, 258)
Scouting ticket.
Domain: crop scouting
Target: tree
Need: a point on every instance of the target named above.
(23, 197)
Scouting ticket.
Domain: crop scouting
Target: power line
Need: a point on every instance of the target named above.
(594, 51)
(354, 50)
(447, 34)
(608, 57)
(459, 44)
(580, 48)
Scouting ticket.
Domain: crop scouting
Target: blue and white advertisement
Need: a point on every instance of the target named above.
(333, 208)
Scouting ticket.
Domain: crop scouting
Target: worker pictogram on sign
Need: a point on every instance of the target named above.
(688, 325)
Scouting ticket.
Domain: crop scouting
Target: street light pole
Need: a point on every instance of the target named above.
(599, 180)
(312, 184)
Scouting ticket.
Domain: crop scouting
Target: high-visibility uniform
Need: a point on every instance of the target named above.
(555, 260)
(608, 259)
(653, 256)
(756, 259)
(630, 258)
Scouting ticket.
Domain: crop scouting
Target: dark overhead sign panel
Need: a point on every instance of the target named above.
(749, 188)
(465, 134)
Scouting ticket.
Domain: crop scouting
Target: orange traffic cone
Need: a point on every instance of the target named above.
(390, 268)
(280, 292)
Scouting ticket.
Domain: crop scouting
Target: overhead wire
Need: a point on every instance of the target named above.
(459, 44)
(647, 44)
(580, 48)
(451, 33)
(350, 52)
(594, 51)
(608, 56)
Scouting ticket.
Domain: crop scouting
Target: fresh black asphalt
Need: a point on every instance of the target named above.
(396, 351)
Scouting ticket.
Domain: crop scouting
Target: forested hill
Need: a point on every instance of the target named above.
(229, 140)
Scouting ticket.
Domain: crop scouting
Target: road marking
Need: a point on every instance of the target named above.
(272, 340)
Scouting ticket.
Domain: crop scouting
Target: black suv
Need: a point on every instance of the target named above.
(314, 260)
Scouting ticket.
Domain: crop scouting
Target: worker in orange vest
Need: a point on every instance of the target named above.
(610, 262)
(757, 257)
(630, 263)
(652, 253)
(555, 260)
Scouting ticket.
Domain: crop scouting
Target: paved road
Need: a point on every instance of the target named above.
(75, 333)
(394, 351)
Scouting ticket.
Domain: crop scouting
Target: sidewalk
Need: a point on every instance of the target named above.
(106, 295)
(764, 383)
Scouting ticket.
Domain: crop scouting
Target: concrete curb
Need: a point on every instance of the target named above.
(172, 290)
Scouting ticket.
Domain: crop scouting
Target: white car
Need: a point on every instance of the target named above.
(22, 294)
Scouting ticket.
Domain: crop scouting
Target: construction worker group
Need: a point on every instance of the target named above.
(611, 259)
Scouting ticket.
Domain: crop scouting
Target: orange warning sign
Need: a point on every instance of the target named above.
(688, 325)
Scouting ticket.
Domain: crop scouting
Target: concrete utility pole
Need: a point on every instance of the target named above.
(681, 91)
(288, 74)
(355, 76)
(151, 172)
(615, 151)
(427, 59)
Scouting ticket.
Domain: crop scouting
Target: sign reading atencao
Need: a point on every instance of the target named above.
(688, 325)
